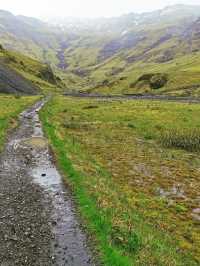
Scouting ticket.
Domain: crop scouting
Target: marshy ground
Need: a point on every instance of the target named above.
(134, 168)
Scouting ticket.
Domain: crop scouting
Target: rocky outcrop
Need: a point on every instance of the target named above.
(151, 80)
(12, 82)
(47, 74)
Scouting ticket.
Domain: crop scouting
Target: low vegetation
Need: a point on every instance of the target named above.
(154, 81)
(10, 107)
(138, 198)
(188, 139)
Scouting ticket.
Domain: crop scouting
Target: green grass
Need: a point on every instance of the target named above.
(10, 108)
(118, 170)
(188, 139)
(97, 223)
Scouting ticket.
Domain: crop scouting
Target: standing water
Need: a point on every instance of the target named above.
(70, 243)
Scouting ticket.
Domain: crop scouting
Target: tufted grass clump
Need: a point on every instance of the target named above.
(187, 139)
(71, 125)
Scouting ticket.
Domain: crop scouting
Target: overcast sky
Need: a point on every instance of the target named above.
(85, 8)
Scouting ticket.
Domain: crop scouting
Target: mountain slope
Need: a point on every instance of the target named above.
(20, 74)
(155, 52)
(12, 82)
(169, 48)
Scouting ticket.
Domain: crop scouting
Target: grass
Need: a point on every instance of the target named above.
(135, 196)
(10, 108)
(185, 139)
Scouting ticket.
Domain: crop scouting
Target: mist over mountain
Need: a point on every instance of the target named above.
(178, 12)
(111, 55)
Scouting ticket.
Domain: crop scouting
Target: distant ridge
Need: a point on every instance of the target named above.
(113, 55)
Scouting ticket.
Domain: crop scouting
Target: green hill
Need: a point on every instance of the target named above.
(156, 52)
(21, 74)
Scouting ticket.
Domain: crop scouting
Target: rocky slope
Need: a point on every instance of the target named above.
(22, 75)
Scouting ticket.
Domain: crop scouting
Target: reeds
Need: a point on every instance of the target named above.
(187, 139)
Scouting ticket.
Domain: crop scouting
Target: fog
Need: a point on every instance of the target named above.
(85, 8)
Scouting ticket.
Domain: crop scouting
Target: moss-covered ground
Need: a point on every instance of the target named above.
(138, 199)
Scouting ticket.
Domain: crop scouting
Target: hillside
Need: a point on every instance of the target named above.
(23, 75)
(163, 44)
(156, 52)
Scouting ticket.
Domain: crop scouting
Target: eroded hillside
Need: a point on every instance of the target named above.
(21, 74)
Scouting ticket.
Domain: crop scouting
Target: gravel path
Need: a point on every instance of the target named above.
(38, 225)
(136, 97)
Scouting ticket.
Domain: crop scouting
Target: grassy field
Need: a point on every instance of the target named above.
(10, 108)
(134, 170)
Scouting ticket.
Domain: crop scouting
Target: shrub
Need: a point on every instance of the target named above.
(187, 139)
(158, 81)
(153, 80)
(47, 74)
(22, 63)
(17, 96)
(128, 239)
(71, 125)
(91, 107)
(131, 125)
(146, 77)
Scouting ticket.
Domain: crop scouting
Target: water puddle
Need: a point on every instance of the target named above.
(48, 178)
(36, 142)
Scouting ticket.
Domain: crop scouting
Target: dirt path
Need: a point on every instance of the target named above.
(38, 225)
(136, 97)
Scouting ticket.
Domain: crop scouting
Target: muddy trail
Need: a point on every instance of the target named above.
(38, 224)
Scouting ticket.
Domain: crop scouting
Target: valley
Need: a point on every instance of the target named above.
(100, 139)
(110, 56)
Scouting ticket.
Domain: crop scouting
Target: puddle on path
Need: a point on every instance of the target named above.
(69, 246)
